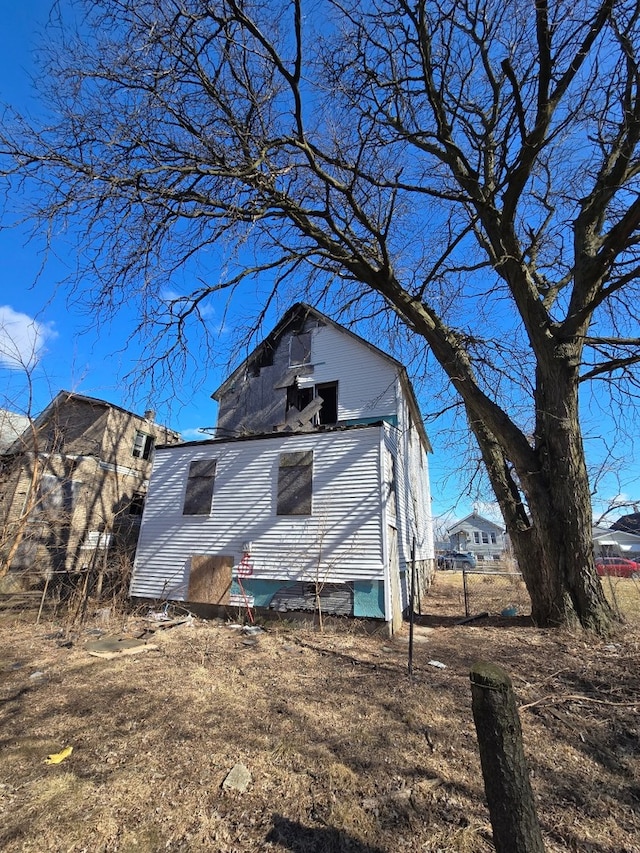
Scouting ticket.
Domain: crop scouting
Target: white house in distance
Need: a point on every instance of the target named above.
(615, 542)
(478, 536)
(314, 490)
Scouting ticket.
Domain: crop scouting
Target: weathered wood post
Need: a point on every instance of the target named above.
(506, 777)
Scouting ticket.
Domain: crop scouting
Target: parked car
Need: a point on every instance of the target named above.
(456, 560)
(618, 567)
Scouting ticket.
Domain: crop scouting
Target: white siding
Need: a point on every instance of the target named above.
(340, 541)
(414, 497)
(366, 380)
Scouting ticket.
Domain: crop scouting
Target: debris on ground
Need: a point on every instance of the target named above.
(113, 647)
(237, 779)
(59, 757)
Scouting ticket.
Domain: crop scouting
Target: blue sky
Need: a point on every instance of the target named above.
(62, 345)
(66, 350)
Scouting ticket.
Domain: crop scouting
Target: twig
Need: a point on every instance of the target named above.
(556, 700)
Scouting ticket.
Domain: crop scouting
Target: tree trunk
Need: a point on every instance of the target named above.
(551, 536)
(560, 498)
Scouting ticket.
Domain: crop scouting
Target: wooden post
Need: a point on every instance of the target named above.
(506, 777)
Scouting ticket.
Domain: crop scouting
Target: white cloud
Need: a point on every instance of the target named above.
(194, 435)
(22, 339)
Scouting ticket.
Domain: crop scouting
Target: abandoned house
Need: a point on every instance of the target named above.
(313, 492)
(73, 487)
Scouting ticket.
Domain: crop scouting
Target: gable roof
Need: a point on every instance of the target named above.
(472, 519)
(611, 536)
(63, 397)
(628, 523)
(295, 318)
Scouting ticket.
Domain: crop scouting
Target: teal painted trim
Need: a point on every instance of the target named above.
(368, 599)
(261, 590)
(390, 419)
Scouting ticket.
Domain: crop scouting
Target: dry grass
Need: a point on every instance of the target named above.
(494, 592)
(346, 753)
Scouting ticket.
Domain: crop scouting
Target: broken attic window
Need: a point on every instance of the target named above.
(300, 348)
(199, 491)
(264, 358)
(298, 398)
(295, 476)
(328, 392)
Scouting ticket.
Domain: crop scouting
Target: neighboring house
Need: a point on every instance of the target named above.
(629, 523)
(311, 495)
(12, 425)
(73, 486)
(478, 536)
(615, 541)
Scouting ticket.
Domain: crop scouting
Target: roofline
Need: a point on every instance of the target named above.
(500, 527)
(326, 430)
(64, 396)
(306, 310)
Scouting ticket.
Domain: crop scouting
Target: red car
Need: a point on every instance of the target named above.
(618, 567)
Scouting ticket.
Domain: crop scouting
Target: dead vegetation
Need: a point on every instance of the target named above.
(345, 752)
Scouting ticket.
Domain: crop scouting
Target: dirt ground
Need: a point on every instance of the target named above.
(345, 752)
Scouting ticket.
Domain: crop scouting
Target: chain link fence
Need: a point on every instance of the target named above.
(498, 589)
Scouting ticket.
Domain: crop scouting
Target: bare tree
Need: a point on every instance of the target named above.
(473, 165)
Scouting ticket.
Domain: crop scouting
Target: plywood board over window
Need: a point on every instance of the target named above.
(199, 490)
(210, 579)
(295, 478)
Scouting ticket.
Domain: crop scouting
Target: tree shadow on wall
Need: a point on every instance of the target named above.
(304, 839)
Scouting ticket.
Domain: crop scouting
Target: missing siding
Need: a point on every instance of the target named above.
(335, 599)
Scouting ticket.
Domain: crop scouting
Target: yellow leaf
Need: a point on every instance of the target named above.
(58, 757)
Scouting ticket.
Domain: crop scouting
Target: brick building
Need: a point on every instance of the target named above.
(72, 489)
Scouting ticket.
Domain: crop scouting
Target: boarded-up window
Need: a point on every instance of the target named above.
(295, 475)
(199, 492)
(58, 494)
(210, 579)
(300, 348)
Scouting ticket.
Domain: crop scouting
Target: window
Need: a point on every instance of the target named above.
(142, 445)
(328, 391)
(295, 472)
(300, 349)
(58, 494)
(199, 491)
(137, 504)
(485, 538)
(391, 496)
(493, 538)
(96, 539)
(298, 398)
(476, 537)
